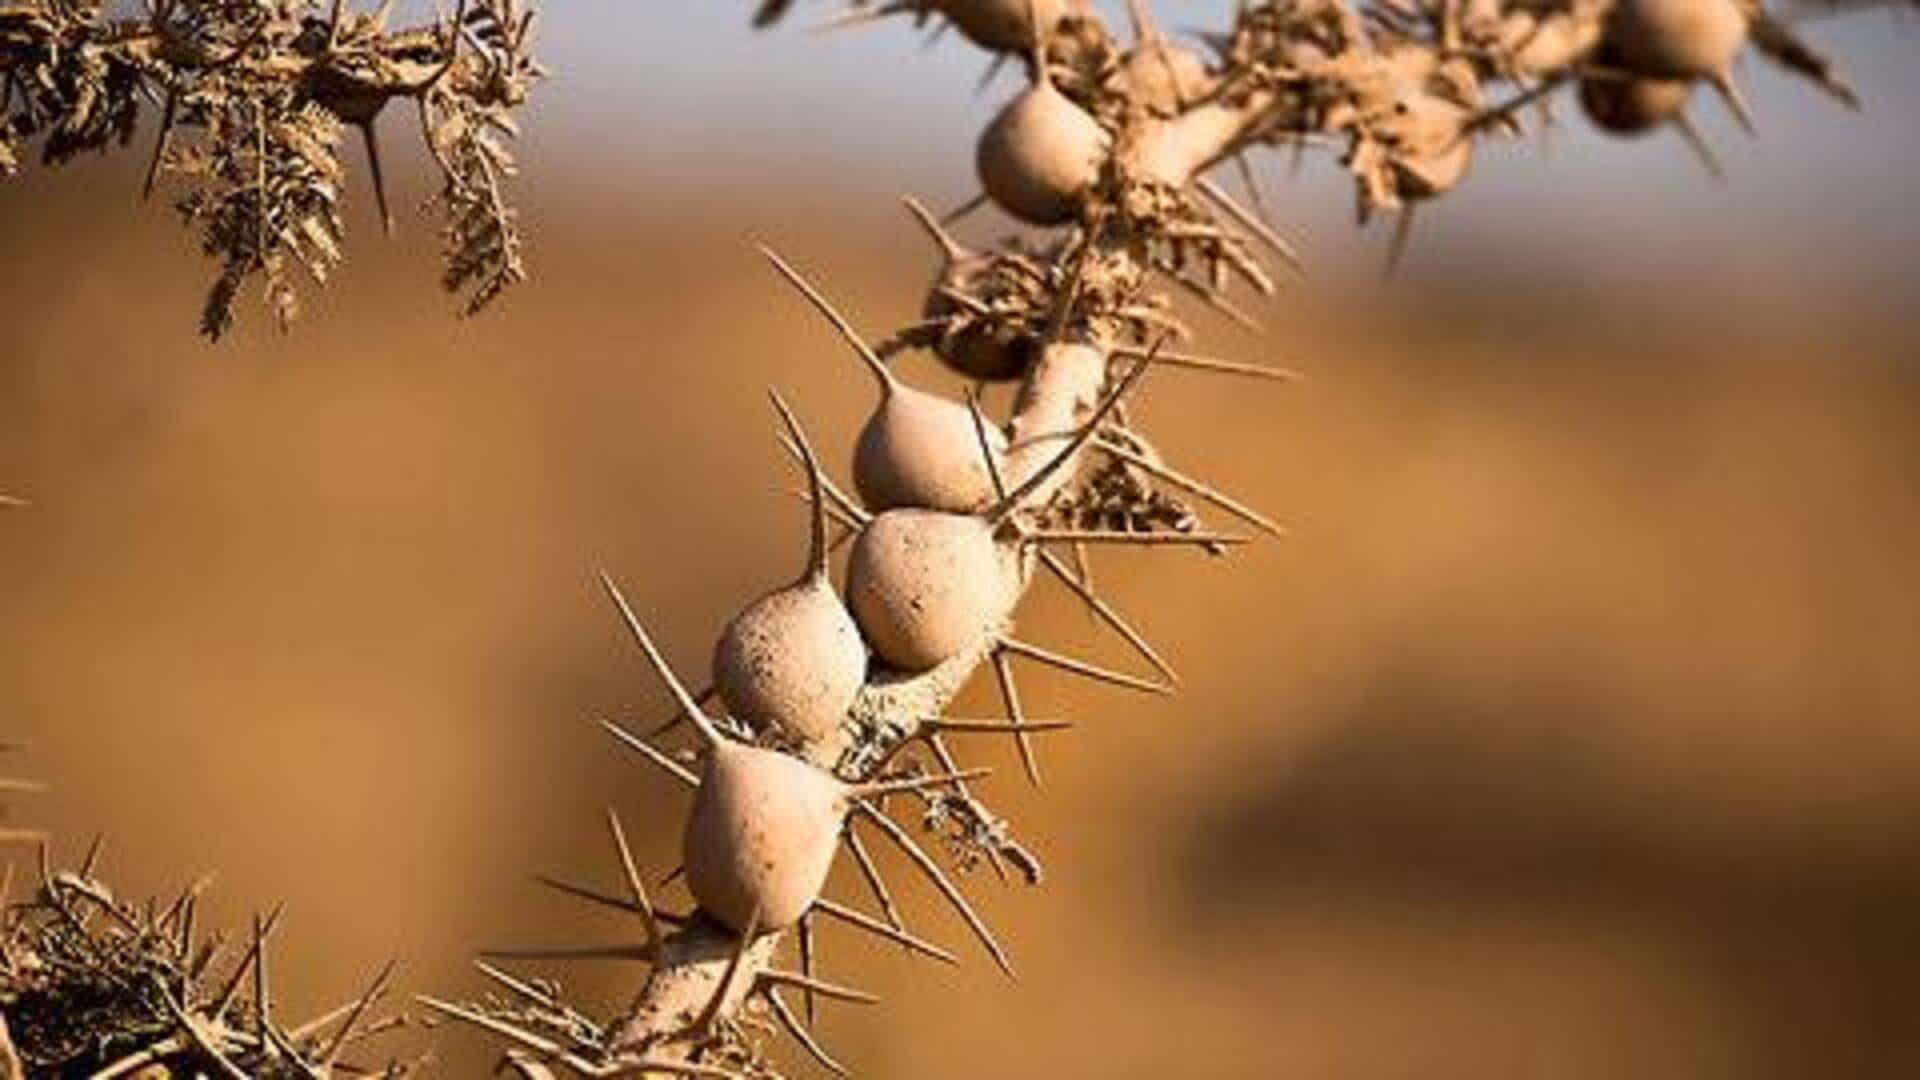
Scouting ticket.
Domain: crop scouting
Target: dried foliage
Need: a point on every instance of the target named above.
(99, 986)
(93, 985)
(252, 98)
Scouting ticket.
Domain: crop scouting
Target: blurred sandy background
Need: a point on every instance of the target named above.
(1573, 734)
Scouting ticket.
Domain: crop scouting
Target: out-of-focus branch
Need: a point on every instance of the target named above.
(252, 99)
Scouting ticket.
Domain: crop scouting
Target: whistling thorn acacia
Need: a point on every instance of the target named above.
(834, 705)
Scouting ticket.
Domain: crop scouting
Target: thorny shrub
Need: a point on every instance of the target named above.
(1108, 147)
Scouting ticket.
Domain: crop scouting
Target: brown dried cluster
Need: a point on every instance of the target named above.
(94, 985)
(252, 100)
(98, 986)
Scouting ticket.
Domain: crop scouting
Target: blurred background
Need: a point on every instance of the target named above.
(1572, 734)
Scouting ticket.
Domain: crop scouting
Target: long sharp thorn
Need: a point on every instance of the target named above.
(1083, 572)
(606, 900)
(1498, 114)
(320, 1023)
(944, 240)
(849, 507)
(92, 861)
(179, 905)
(833, 513)
(801, 1034)
(1011, 501)
(858, 17)
(876, 366)
(1211, 494)
(708, 733)
(372, 140)
(262, 1000)
(1402, 234)
(711, 1014)
(225, 998)
(993, 72)
(807, 998)
(1081, 667)
(932, 870)
(1219, 303)
(860, 919)
(188, 919)
(1255, 194)
(637, 1066)
(1171, 358)
(871, 872)
(652, 753)
(983, 727)
(1010, 696)
(986, 448)
(700, 697)
(964, 209)
(571, 953)
(873, 788)
(1106, 613)
(1119, 536)
(519, 986)
(1252, 224)
(1736, 102)
(378, 987)
(1697, 142)
(832, 991)
(636, 887)
(944, 755)
(160, 144)
(817, 551)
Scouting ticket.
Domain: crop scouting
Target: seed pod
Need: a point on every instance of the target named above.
(1681, 39)
(917, 449)
(925, 585)
(1006, 25)
(765, 825)
(793, 661)
(1435, 148)
(1164, 77)
(1041, 154)
(762, 835)
(1632, 106)
(989, 351)
(764, 829)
